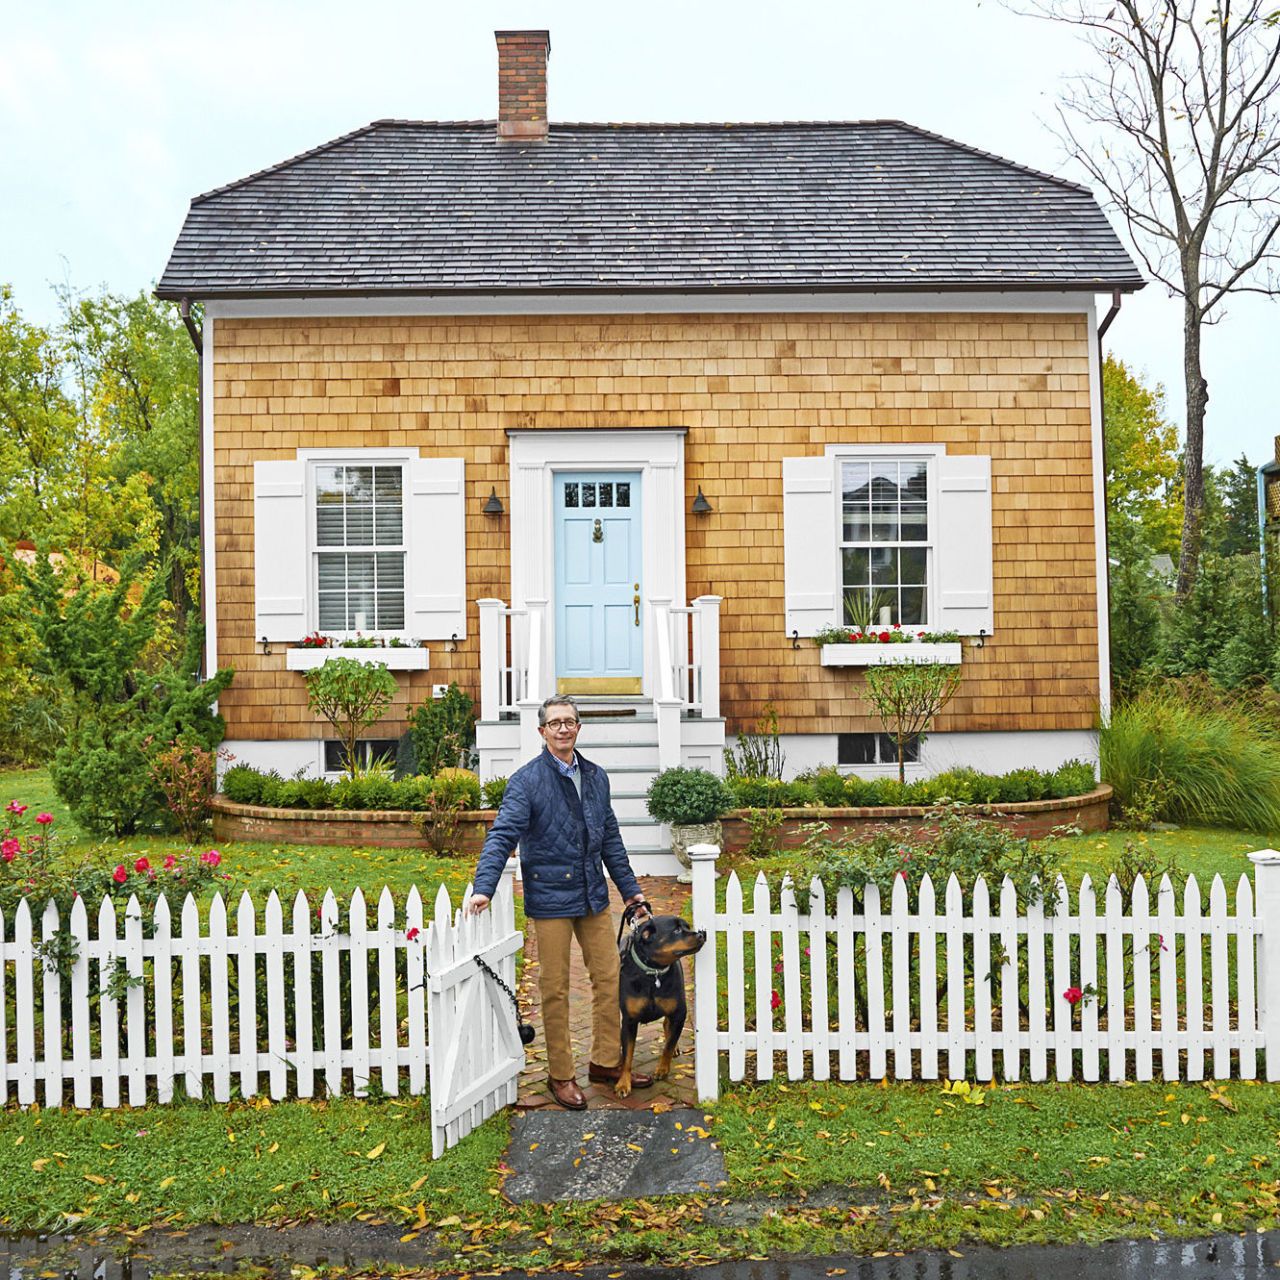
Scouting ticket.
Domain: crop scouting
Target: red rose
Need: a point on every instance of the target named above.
(1073, 995)
(142, 865)
(412, 934)
(120, 875)
(44, 819)
(884, 637)
(14, 807)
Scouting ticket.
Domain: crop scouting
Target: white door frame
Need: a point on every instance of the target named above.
(658, 455)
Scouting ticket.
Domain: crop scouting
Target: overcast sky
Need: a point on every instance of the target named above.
(112, 116)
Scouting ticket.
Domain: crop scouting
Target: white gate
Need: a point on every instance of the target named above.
(476, 1053)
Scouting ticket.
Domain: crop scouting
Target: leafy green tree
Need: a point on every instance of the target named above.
(352, 696)
(907, 697)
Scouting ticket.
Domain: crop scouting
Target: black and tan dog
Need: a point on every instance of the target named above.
(651, 986)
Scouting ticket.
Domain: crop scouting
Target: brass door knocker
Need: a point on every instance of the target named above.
(597, 534)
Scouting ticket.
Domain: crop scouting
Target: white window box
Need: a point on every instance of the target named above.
(393, 659)
(883, 655)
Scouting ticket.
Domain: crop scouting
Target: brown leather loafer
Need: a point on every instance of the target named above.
(567, 1094)
(609, 1075)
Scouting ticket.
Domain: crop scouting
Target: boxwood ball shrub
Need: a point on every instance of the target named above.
(686, 797)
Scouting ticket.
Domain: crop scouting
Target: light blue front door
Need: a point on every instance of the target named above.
(598, 583)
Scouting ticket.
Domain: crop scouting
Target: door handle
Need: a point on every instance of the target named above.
(635, 600)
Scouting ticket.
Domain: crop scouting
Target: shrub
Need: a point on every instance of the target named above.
(829, 788)
(372, 790)
(908, 697)
(305, 793)
(493, 791)
(187, 777)
(687, 796)
(1075, 778)
(963, 846)
(443, 732)
(758, 754)
(242, 785)
(1022, 784)
(1209, 763)
(457, 786)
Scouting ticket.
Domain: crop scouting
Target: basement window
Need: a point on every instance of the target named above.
(874, 749)
(368, 752)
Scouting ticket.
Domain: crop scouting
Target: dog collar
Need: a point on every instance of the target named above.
(649, 969)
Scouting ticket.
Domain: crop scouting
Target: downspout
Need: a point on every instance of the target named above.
(1263, 472)
(1102, 416)
(197, 341)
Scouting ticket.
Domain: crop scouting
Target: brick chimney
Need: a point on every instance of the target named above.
(522, 85)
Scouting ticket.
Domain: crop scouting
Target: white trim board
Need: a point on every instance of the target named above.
(559, 304)
(210, 587)
(1100, 521)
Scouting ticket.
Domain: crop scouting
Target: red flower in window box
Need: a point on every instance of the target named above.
(316, 640)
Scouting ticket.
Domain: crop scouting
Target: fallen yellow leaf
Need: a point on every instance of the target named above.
(376, 1152)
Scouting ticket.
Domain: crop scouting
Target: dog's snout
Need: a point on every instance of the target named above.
(701, 934)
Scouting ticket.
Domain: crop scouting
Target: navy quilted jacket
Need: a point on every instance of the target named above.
(565, 843)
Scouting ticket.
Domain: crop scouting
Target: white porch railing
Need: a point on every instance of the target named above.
(511, 660)
(687, 667)
(1079, 985)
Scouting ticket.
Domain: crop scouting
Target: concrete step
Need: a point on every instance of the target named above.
(627, 730)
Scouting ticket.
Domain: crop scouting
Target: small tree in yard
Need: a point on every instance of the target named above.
(907, 696)
(352, 696)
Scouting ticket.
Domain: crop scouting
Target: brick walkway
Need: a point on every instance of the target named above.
(668, 898)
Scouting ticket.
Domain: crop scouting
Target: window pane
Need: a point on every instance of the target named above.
(333, 611)
(360, 611)
(854, 478)
(360, 572)
(884, 524)
(915, 481)
(855, 748)
(329, 525)
(857, 607)
(915, 523)
(329, 484)
(913, 608)
(857, 571)
(888, 748)
(624, 494)
(884, 484)
(390, 571)
(388, 526)
(359, 526)
(606, 494)
(387, 485)
(359, 485)
(570, 494)
(857, 524)
(391, 611)
(588, 495)
(913, 561)
(884, 566)
(333, 572)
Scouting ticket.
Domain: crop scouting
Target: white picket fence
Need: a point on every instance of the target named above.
(976, 990)
(152, 1006)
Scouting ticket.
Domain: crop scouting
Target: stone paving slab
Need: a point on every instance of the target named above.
(612, 1155)
(668, 897)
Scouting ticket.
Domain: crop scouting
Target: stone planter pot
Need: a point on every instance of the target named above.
(683, 835)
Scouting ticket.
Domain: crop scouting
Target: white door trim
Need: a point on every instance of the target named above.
(534, 458)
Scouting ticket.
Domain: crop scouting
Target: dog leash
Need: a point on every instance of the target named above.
(628, 916)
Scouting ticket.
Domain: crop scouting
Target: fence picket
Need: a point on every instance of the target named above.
(81, 1046)
(51, 1010)
(358, 959)
(763, 934)
(736, 1001)
(245, 949)
(273, 971)
(846, 984)
(927, 915)
(192, 1029)
(220, 1005)
(1140, 911)
(302, 947)
(108, 1007)
(24, 993)
(389, 946)
(1010, 1018)
(1089, 979)
(1063, 1052)
(1246, 991)
(1219, 978)
(900, 976)
(6, 950)
(1168, 979)
(1193, 978)
(162, 988)
(1113, 925)
(331, 994)
(792, 1007)
(819, 1018)
(983, 981)
(416, 990)
(135, 1001)
(957, 1016)
(1037, 1005)
(874, 940)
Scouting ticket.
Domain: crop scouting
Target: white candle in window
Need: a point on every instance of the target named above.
(886, 615)
(360, 621)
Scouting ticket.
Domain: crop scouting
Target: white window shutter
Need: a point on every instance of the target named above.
(962, 538)
(280, 570)
(437, 534)
(810, 559)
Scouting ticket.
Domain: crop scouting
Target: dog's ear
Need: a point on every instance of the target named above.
(648, 930)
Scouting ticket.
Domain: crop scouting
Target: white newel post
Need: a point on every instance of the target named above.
(1266, 878)
(708, 655)
(531, 700)
(493, 658)
(706, 1031)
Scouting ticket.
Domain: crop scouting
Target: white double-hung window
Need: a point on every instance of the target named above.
(874, 535)
(359, 547)
(884, 541)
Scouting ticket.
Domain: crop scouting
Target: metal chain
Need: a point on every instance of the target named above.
(511, 995)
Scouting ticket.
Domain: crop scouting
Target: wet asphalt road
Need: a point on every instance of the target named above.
(223, 1250)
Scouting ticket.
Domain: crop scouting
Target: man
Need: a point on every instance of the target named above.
(557, 808)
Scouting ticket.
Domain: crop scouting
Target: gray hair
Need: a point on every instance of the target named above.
(558, 700)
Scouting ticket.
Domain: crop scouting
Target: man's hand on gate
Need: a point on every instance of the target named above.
(476, 904)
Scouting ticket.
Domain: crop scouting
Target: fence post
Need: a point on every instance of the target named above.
(706, 1022)
(1266, 907)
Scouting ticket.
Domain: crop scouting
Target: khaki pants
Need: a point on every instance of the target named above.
(597, 942)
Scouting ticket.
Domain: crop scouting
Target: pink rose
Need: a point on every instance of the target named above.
(14, 807)
(775, 1000)
(412, 934)
(142, 865)
(120, 875)
(1073, 995)
(9, 849)
(211, 858)
(44, 819)
(170, 862)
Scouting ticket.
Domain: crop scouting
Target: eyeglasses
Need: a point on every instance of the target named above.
(561, 724)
